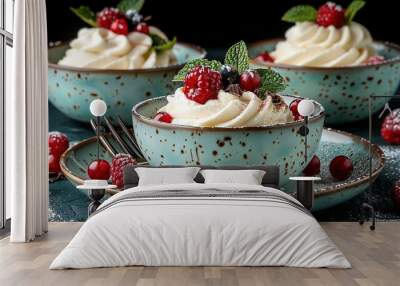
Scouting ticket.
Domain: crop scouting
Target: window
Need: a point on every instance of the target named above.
(6, 41)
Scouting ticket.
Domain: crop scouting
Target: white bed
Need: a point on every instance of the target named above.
(203, 225)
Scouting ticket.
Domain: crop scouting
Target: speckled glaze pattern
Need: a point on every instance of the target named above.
(168, 144)
(72, 89)
(343, 91)
(328, 192)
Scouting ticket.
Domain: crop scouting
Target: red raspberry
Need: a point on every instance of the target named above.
(293, 108)
(107, 16)
(54, 164)
(374, 60)
(265, 57)
(58, 143)
(163, 117)
(202, 84)
(99, 170)
(390, 129)
(120, 26)
(396, 194)
(119, 162)
(250, 80)
(142, 28)
(330, 14)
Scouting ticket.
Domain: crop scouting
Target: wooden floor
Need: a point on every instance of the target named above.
(375, 257)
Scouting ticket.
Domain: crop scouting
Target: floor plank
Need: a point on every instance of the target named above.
(375, 257)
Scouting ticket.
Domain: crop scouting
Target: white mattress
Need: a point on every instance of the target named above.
(189, 231)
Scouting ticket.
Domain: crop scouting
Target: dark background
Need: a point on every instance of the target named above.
(215, 25)
(218, 24)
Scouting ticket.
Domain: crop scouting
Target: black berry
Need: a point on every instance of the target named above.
(229, 75)
(134, 18)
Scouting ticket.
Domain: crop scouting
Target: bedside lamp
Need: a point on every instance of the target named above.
(305, 185)
(98, 108)
(96, 187)
(305, 109)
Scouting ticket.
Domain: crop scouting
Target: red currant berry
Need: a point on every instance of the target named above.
(293, 108)
(120, 26)
(341, 167)
(58, 143)
(142, 28)
(250, 80)
(99, 170)
(265, 57)
(54, 164)
(314, 167)
(163, 117)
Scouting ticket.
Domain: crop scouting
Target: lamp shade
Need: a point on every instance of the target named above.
(98, 107)
(305, 107)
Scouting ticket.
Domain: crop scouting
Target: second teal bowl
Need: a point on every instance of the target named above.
(72, 89)
(171, 144)
(343, 91)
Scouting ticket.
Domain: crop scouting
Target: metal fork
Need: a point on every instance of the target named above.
(125, 144)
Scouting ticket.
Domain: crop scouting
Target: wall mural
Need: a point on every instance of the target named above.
(241, 106)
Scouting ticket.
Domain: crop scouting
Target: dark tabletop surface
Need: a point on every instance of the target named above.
(69, 204)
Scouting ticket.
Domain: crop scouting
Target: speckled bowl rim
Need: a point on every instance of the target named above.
(63, 166)
(375, 151)
(322, 69)
(69, 174)
(199, 49)
(320, 115)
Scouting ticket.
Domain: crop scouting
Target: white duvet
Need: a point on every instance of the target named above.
(207, 230)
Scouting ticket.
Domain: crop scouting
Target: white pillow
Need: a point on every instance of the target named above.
(166, 176)
(248, 177)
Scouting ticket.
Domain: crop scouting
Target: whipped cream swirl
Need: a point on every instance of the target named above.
(308, 44)
(101, 48)
(228, 110)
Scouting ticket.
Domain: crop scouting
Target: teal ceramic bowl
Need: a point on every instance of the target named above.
(72, 89)
(328, 192)
(343, 91)
(171, 144)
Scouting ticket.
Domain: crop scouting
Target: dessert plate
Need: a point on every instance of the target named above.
(328, 192)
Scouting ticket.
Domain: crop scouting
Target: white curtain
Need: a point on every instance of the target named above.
(27, 123)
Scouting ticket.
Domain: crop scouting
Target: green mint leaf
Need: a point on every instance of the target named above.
(271, 81)
(238, 57)
(300, 13)
(160, 44)
(157, 40)
(85, 14)
(125, 5)
(167, 45)
(352, 10)
(214, 65)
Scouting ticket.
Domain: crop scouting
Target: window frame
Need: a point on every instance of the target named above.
(6, 39)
